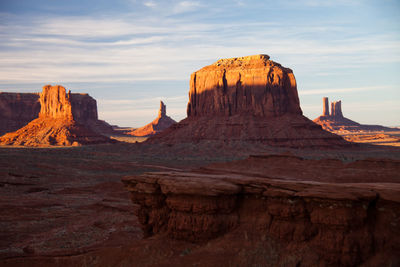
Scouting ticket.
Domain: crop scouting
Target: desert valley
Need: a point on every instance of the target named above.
(244, 180)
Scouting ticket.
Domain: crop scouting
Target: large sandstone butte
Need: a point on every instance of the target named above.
(335, 122)
(161, 123)
(61, 121)
(250, 99)
(17, 110)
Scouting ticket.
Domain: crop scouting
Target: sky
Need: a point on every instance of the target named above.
(129, 54)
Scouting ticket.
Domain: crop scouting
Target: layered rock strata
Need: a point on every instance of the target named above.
(158, 125)
(17, 110)
(246, 99)
(60, 121)
(317, 222)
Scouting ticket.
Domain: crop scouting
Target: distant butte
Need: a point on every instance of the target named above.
(335, 122)
(17, 110)
(161, 123)
(251, 99)
(61, 122)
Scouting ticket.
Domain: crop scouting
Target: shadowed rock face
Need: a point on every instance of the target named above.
(17, 110)
(62, 121)
(161, 123)
(250, 99)
(247, 85)
(320, 212)
(325, 111)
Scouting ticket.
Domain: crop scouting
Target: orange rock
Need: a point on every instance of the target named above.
(250, 99)
(161, 123)
(58, 123)
(335, 122)
(252, 85)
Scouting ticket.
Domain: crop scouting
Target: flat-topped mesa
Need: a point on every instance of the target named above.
(246, 99)
(252, 85)
(65, 119)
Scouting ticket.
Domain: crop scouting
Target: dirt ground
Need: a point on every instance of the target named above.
(68, 207)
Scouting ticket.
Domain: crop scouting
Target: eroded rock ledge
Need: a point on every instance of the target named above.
(335, 224)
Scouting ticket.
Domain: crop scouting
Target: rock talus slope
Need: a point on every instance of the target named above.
(59, 123)
(161, 123)
(246, 99)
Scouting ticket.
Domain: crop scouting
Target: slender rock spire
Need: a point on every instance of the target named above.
(325, 111)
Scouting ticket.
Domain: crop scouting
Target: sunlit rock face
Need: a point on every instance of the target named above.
(158, 125)
(246, 99)
(63, 121)
(245, 85)
(56, 102)
(335, 122)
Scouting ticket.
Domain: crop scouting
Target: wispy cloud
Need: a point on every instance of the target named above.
(150, 4)
(342, 90)
(167, 40)
(186, 6)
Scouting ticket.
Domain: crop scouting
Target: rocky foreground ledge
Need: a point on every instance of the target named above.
(323, 223)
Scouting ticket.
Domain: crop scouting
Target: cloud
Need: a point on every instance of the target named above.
(150, 4)
(186, 6)
(341, 90)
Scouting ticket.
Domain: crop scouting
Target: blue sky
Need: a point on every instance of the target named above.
(129, 54)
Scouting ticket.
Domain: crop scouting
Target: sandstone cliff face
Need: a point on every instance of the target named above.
(307, 219)
(161, 123)
(248, 85)
(336, 109)
(60, 121)
(17, 110)
(249, 99)
(325, 111)
(57, 103)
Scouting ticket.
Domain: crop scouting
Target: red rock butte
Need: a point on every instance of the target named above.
(61, 121)
(246, 99)
(17, 110)
(335, 122)
(161, 123)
